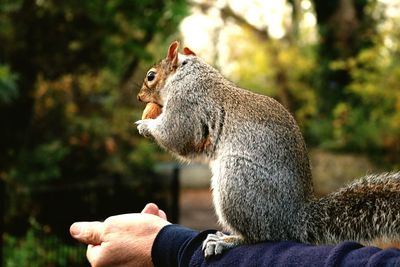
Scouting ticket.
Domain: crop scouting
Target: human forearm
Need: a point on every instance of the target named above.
(179, 246)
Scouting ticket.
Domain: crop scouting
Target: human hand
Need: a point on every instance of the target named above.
(122, 240)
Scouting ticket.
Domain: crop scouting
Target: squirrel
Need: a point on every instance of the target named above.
(261, 178)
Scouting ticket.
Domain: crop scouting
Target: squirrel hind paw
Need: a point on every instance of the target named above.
(216, 244)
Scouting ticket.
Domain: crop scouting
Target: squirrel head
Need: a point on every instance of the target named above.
(157, 76)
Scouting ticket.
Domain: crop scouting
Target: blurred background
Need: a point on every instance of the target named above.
(70, 71)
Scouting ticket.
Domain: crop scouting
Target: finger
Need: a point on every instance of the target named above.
(93, 254)
(87, 232)
(151, 208)
(162, 214)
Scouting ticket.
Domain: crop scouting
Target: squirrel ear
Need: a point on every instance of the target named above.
(173, 52)
(188, 52)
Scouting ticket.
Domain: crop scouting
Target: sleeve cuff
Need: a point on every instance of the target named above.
(169, 245)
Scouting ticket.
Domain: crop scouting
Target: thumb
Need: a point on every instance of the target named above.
(151, 208)
(87, 232)
(162, 214)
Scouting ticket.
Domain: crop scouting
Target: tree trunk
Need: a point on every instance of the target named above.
(342, 35)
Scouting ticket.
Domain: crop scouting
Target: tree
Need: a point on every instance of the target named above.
(358, 79)
(345, 28)
(50, 39)
(72, 64)
(279, 67)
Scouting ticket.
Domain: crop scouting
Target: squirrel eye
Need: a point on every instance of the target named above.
(151, 75)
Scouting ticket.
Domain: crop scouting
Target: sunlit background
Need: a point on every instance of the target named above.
(70, 72)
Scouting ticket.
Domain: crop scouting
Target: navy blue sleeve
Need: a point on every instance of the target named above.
(175, 245)
(179, 246)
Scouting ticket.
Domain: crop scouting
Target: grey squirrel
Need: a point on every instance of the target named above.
(261, 183)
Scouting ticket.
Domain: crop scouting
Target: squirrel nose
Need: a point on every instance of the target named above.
(139, 99)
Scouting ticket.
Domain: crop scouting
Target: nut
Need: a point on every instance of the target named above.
(151, 111)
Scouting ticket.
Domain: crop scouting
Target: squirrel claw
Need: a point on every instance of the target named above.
(216, 244)
(143, 127)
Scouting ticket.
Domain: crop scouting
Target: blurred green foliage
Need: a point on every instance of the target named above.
(37, 248)
(372, 122)
(8, 86)
(359, 111)
(70, 113)
(68, 102)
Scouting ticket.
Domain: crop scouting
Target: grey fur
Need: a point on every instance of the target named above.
(261, 182)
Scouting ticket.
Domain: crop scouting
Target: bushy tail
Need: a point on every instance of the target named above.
(367, 209)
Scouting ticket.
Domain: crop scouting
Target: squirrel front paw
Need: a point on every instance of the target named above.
(217, 243)
(143, 127)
